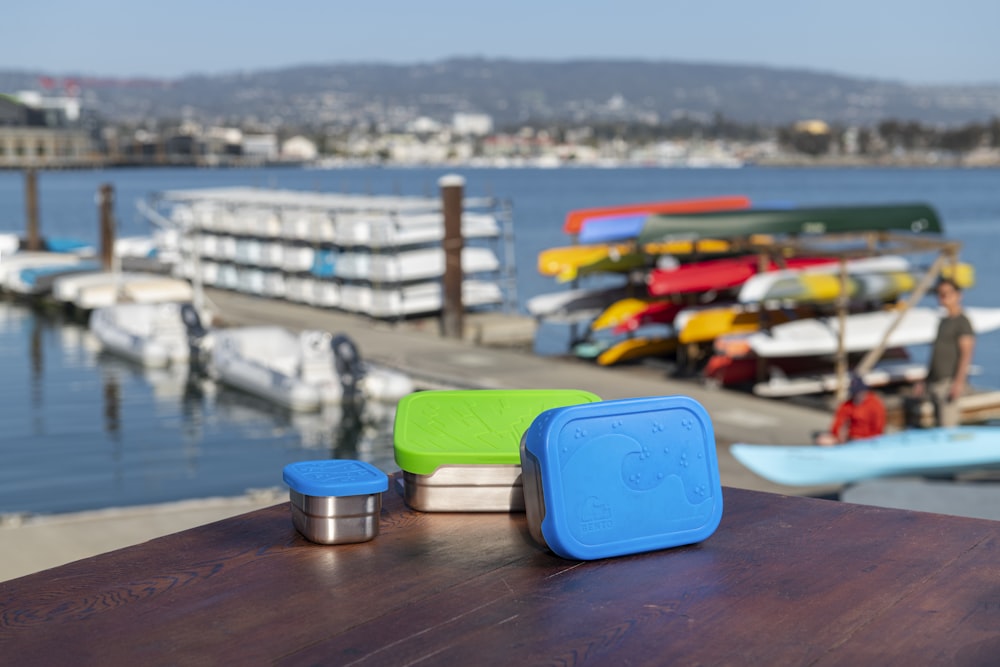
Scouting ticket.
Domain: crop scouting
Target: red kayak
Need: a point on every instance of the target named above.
(718, 274)
(657, 312)
(575, 219)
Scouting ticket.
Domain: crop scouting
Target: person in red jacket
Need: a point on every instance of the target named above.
(862, 415)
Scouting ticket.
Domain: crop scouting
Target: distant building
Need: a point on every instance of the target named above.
(40, 131)
(12, 112)
(424, 125)
(816, 127)
(223, 141)
(52, 110)
(260, 146)
(474, 124)
(299, 148)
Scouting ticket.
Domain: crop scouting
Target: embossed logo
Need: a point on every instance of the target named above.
(595, 515)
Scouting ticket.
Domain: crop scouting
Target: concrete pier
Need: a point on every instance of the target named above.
(416, 348)
(493, 353)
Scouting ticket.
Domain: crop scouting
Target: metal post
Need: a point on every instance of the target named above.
(452, 187)
(34, 240)
(105, 204)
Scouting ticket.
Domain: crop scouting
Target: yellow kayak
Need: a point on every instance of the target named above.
(636, 348)
(706, 325)
(567, 263)
(819, 287)
(620, 311)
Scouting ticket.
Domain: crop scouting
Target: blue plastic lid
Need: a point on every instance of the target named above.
(335, 477)
(625, 476)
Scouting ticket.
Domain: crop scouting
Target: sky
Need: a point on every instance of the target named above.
(911, 41)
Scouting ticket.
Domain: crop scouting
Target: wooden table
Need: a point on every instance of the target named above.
(784, 580)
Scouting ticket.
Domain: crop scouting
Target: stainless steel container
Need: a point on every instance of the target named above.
(459, 449)
(464, 488)
(619, 477)
(335, 501)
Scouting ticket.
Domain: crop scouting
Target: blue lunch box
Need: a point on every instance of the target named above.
(620, 477)
(335, 501)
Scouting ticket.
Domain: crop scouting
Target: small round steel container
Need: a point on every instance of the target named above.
(335, 501)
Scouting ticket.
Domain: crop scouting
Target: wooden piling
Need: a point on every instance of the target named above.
(452, 189)
(105, 204)
(33, 239)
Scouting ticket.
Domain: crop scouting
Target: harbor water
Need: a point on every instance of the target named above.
(82, 430)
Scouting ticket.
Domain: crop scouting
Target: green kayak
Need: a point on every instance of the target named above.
(912, 218)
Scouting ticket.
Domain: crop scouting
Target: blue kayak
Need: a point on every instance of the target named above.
(932, 451)
(612, 228)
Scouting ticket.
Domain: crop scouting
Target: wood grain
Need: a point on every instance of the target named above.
(783, 581)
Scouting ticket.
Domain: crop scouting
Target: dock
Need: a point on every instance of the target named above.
(491, 355)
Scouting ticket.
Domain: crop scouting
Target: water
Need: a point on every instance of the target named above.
(79, 430)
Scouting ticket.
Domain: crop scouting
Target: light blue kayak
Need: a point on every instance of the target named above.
(612, 228)
(916, 452)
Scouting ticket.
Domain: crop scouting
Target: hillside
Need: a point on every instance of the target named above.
(515, 91)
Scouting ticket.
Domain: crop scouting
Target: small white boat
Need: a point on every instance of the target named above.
(38, 280)
(87, 291)
(12, 266)
(9, 244)
(302, 372)
(155, 335)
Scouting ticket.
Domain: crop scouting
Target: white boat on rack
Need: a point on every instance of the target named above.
(416, 299)
(153, 334)
(395, 231)
(575, 305)
(421, 264)
(302, 372)
(864, 331)
(893, 371)
(868, 277)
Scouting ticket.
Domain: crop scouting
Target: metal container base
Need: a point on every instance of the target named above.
(465, 488)
(351, 519)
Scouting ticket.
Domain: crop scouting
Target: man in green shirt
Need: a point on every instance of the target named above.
(951, 356)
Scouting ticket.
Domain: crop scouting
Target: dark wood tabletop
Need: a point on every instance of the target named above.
(783, 581)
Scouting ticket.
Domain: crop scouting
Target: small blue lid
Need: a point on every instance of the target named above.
(625, 476)
(335, 477)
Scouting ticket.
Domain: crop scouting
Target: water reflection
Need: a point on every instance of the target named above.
(95, 430)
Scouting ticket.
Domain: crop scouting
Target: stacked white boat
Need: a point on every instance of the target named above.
(379, 256)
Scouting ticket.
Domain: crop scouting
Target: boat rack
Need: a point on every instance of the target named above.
(839, 233)
(381, 256)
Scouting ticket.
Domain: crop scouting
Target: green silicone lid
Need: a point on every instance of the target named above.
(471, 426)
